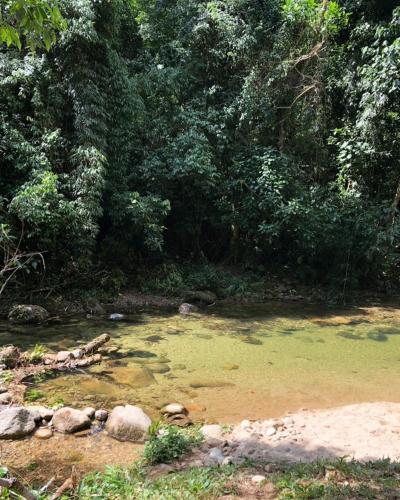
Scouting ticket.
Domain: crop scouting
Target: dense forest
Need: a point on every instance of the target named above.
(143, 136)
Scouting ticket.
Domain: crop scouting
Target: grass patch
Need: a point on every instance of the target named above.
(339, 479)
(118, 482)
(32, 395)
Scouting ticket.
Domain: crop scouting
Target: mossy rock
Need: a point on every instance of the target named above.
(28, 314)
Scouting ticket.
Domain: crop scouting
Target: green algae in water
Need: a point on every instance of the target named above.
(321, 363)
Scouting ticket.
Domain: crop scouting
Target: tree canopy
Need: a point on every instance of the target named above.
(256, 133)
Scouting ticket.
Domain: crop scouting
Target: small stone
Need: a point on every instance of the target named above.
(116, 317)
(257, 479)
(101, 415)
(89, 411)
(173, 409)
(179, 419)
(3, 389)
(216, 455)
(64, 356)
(288, 421)
(5, 398)
(245, 424)
(43, 433)
(270, 431)
(78, 353)
(227, 461)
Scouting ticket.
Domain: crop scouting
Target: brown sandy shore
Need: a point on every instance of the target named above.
(364, 432)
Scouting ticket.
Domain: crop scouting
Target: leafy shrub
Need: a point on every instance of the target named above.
(166, 444)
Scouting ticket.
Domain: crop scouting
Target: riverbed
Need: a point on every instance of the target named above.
(229, 363)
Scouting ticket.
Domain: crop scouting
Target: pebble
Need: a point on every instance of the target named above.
(174, 409)
(216, 455)
(5, 398)
(101, 415)
(258, 478)
(245, 424)
(43, 433)
(270, 431)
(227, 461)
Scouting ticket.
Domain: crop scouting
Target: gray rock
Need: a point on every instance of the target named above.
(212, 431)
(174, 409)
(28, 314)
(216, 455)
(78, 353)
(128, 423)
(16, 422)
(68, 420)
(186, 309)
(116, 317)
(41, 412)
(258, 478)
(5, 398)
(101, 415)
(89, 411)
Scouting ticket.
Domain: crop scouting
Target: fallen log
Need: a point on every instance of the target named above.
(94, 345)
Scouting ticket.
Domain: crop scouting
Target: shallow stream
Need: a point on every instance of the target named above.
(226, 364)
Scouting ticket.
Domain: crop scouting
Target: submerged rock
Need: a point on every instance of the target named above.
(198, 384)
(128, 423)
(68, 420)
(16, 422)
(134, 376)
(159, 368)
(28, 314)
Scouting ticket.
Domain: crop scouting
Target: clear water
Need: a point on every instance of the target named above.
(253, 361)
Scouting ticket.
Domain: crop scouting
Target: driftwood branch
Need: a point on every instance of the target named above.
(22, 366)
(14, 485)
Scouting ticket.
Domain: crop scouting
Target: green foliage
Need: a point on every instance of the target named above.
(32, 395)
(35, 21)
(168, 443)
(255, 133)
(37, 353)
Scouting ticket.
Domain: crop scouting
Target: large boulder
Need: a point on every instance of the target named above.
(28, 314)
(128, 423)
(68, 420)
(16, 422)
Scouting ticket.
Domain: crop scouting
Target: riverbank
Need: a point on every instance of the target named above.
(251, 458)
